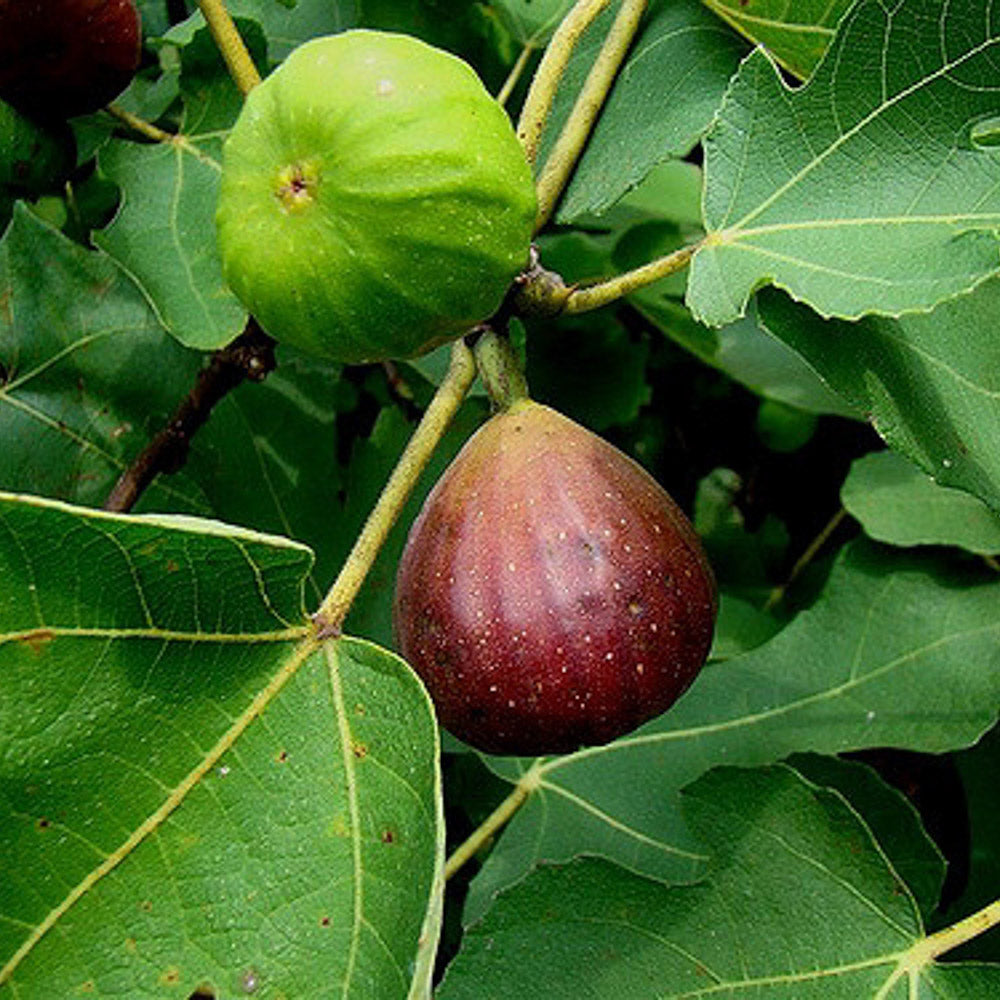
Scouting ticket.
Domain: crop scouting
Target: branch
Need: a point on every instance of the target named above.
(249, 356)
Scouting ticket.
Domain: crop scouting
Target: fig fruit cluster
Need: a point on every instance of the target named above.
(551, 593)
(375, 201)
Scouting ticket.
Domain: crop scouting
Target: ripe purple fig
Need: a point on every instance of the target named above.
(66, 57)
(551, 593)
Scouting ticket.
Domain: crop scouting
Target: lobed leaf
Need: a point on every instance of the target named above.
(661, 103)
(800, 902)
(897, 503)
(796, 34)
(897, 651)
(163, 235)
(863, 191)
(927, 382)
(192, 792)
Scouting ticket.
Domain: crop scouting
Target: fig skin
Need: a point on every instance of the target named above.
(375, 201)
(551, 593)
(61, 58)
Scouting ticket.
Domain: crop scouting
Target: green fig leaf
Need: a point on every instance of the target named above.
(531, 22)
(88, 374)
(91, 378)
(285, 24)
(818, 190)
(196, 793)
(867, 665)
(164, 233)
(890, 816)
(979, 767)
(796, 35)
(800, 902)
(662, 102)
(897, 503)
(927, 382)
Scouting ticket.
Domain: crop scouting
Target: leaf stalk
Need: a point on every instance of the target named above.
(231, 46)
(330, 616)
(545, 83)
(573, 137)
(530, 781)
(594, 296)
(514, 75)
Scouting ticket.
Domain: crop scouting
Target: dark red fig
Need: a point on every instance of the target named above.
(60, 58)
(551, 594)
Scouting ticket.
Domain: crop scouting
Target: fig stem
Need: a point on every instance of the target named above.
(566, 151)
(529, 782)
(231, 45)
(515, 74)
(499, 369)
(594, 296)
(331, 613)
(545, 82)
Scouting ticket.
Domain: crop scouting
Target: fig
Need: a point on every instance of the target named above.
(60, 58)
(375, 201)
(551, 594)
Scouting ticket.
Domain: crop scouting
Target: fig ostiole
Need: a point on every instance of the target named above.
(375, 201)
(551, 593)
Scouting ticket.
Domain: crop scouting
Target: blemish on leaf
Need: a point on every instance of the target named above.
(172, 566)
(249, 981)
(171, 976)
(388, 837)
(281, 756)
(146, 906)
(38, 639)
(87, 986)
(131, 945)
(324, 921)
(360, 750)
(42, 823)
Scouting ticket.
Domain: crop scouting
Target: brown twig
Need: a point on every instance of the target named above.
(249, 356)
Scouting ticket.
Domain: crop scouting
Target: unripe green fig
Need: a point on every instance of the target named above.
(375, 201)
(60, 58)
(551, 593)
